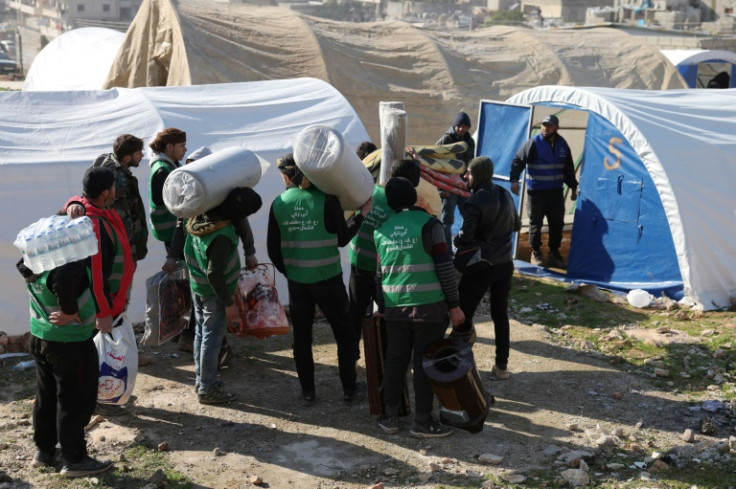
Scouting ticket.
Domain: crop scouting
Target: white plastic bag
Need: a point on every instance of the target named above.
(118, 356)
(639, 298)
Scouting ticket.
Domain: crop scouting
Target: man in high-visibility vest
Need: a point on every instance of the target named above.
(306, 228)
(417, 290)
(169, 147)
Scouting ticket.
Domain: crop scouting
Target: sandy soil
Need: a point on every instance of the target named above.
(267, 433)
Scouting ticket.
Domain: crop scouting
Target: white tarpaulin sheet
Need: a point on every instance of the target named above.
(685, 139)
(48, 139)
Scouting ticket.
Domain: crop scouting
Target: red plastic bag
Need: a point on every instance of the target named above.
(174, 304)
(261, 312)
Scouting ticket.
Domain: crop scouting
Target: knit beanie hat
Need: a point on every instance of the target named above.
(96, 180)
(400, 193)
(481, 167)
(462, 118)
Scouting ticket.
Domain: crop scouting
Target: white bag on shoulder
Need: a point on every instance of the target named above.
(118, 356)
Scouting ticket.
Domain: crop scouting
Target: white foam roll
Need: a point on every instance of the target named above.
(197, 187)
(332, 166)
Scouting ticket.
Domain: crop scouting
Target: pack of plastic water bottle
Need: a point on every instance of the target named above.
(54, 241)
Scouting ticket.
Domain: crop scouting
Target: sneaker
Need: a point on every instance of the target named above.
(500, 373)
(555, 260)
(389, 424)
(224, 357)
(308, 398)
(216, 396)
(42, 459)
(110, 409)
(537, 258)
(429, 429)
(186, 343)
(356, 396)
(87, 466)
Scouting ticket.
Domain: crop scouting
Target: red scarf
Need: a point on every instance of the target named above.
(112, 219)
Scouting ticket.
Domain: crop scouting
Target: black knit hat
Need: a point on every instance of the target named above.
(97, 179)
(481, 167)
(400, 193)
(462, 118)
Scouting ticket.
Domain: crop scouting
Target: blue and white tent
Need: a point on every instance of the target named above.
(657, 207)
(699, 66)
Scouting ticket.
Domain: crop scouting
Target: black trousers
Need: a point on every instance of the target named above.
(549, 204)
(472, 289)
(362, 294)
(66, 393)
(332, 298)
(404, 339)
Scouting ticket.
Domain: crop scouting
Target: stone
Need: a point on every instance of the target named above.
(583, 466)
(719, 353)
(158, 478)
(218, 452)
(514, 478)
(572, 427)
(615, 466)
(433, 467)
(257, 481)
(163, 446)
(661, 372)
(377, 485)
(688, 435)
(424, 477)
(489, 458)
(576, 477)
(391, 471)
(658, 466)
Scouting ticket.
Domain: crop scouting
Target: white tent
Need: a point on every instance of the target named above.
(48, 139)
(656, 202)
(79, 59)
(699, 66)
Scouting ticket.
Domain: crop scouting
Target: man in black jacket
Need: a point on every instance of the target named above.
(459, 132)
(489, 215)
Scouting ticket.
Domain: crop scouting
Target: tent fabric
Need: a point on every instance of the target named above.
(684, 139)
(435, 74)
(48, 139)
(79, 59)
(687, 60)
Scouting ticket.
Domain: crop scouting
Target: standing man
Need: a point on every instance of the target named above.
(489, 215)
(306, 228)
(548, 162)
(169, 147)
(67, 366)
(459, 132)
(416, 290)
(211, 253)
(128, 152)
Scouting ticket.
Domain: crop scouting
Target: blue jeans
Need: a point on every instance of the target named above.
(209, 313)
(448, 214)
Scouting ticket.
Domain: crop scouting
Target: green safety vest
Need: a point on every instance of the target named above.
(310, 253)
(409, 277)
(362, 251)
(43, 302)
(195, 254)
(162, 221)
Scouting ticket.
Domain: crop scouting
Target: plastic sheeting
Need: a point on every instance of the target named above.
(79, 59)
(48, 139)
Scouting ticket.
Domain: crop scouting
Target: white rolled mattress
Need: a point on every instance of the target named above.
(332, 166)
(197, 187)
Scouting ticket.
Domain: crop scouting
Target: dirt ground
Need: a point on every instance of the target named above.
(268, 434)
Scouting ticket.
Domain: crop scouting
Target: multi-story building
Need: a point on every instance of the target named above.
(52, 17)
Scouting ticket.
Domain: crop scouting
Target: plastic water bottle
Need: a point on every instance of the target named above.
(75, 241)
(45, 260)
(23, 365)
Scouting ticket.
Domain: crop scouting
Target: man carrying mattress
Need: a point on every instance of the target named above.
(306, 228)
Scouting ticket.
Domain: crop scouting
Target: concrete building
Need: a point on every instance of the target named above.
(562, 10)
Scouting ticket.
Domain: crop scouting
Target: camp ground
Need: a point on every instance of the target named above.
(48, 139)
(656, 171)
(699, 66)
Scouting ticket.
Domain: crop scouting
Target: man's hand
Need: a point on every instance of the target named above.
(169, 267)
(457, 317)
(515, 187)
(574, 194)
(366, 208)
(75, 210)
(104, 324)
(233, 314)
(251, 261)
(58, 318)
